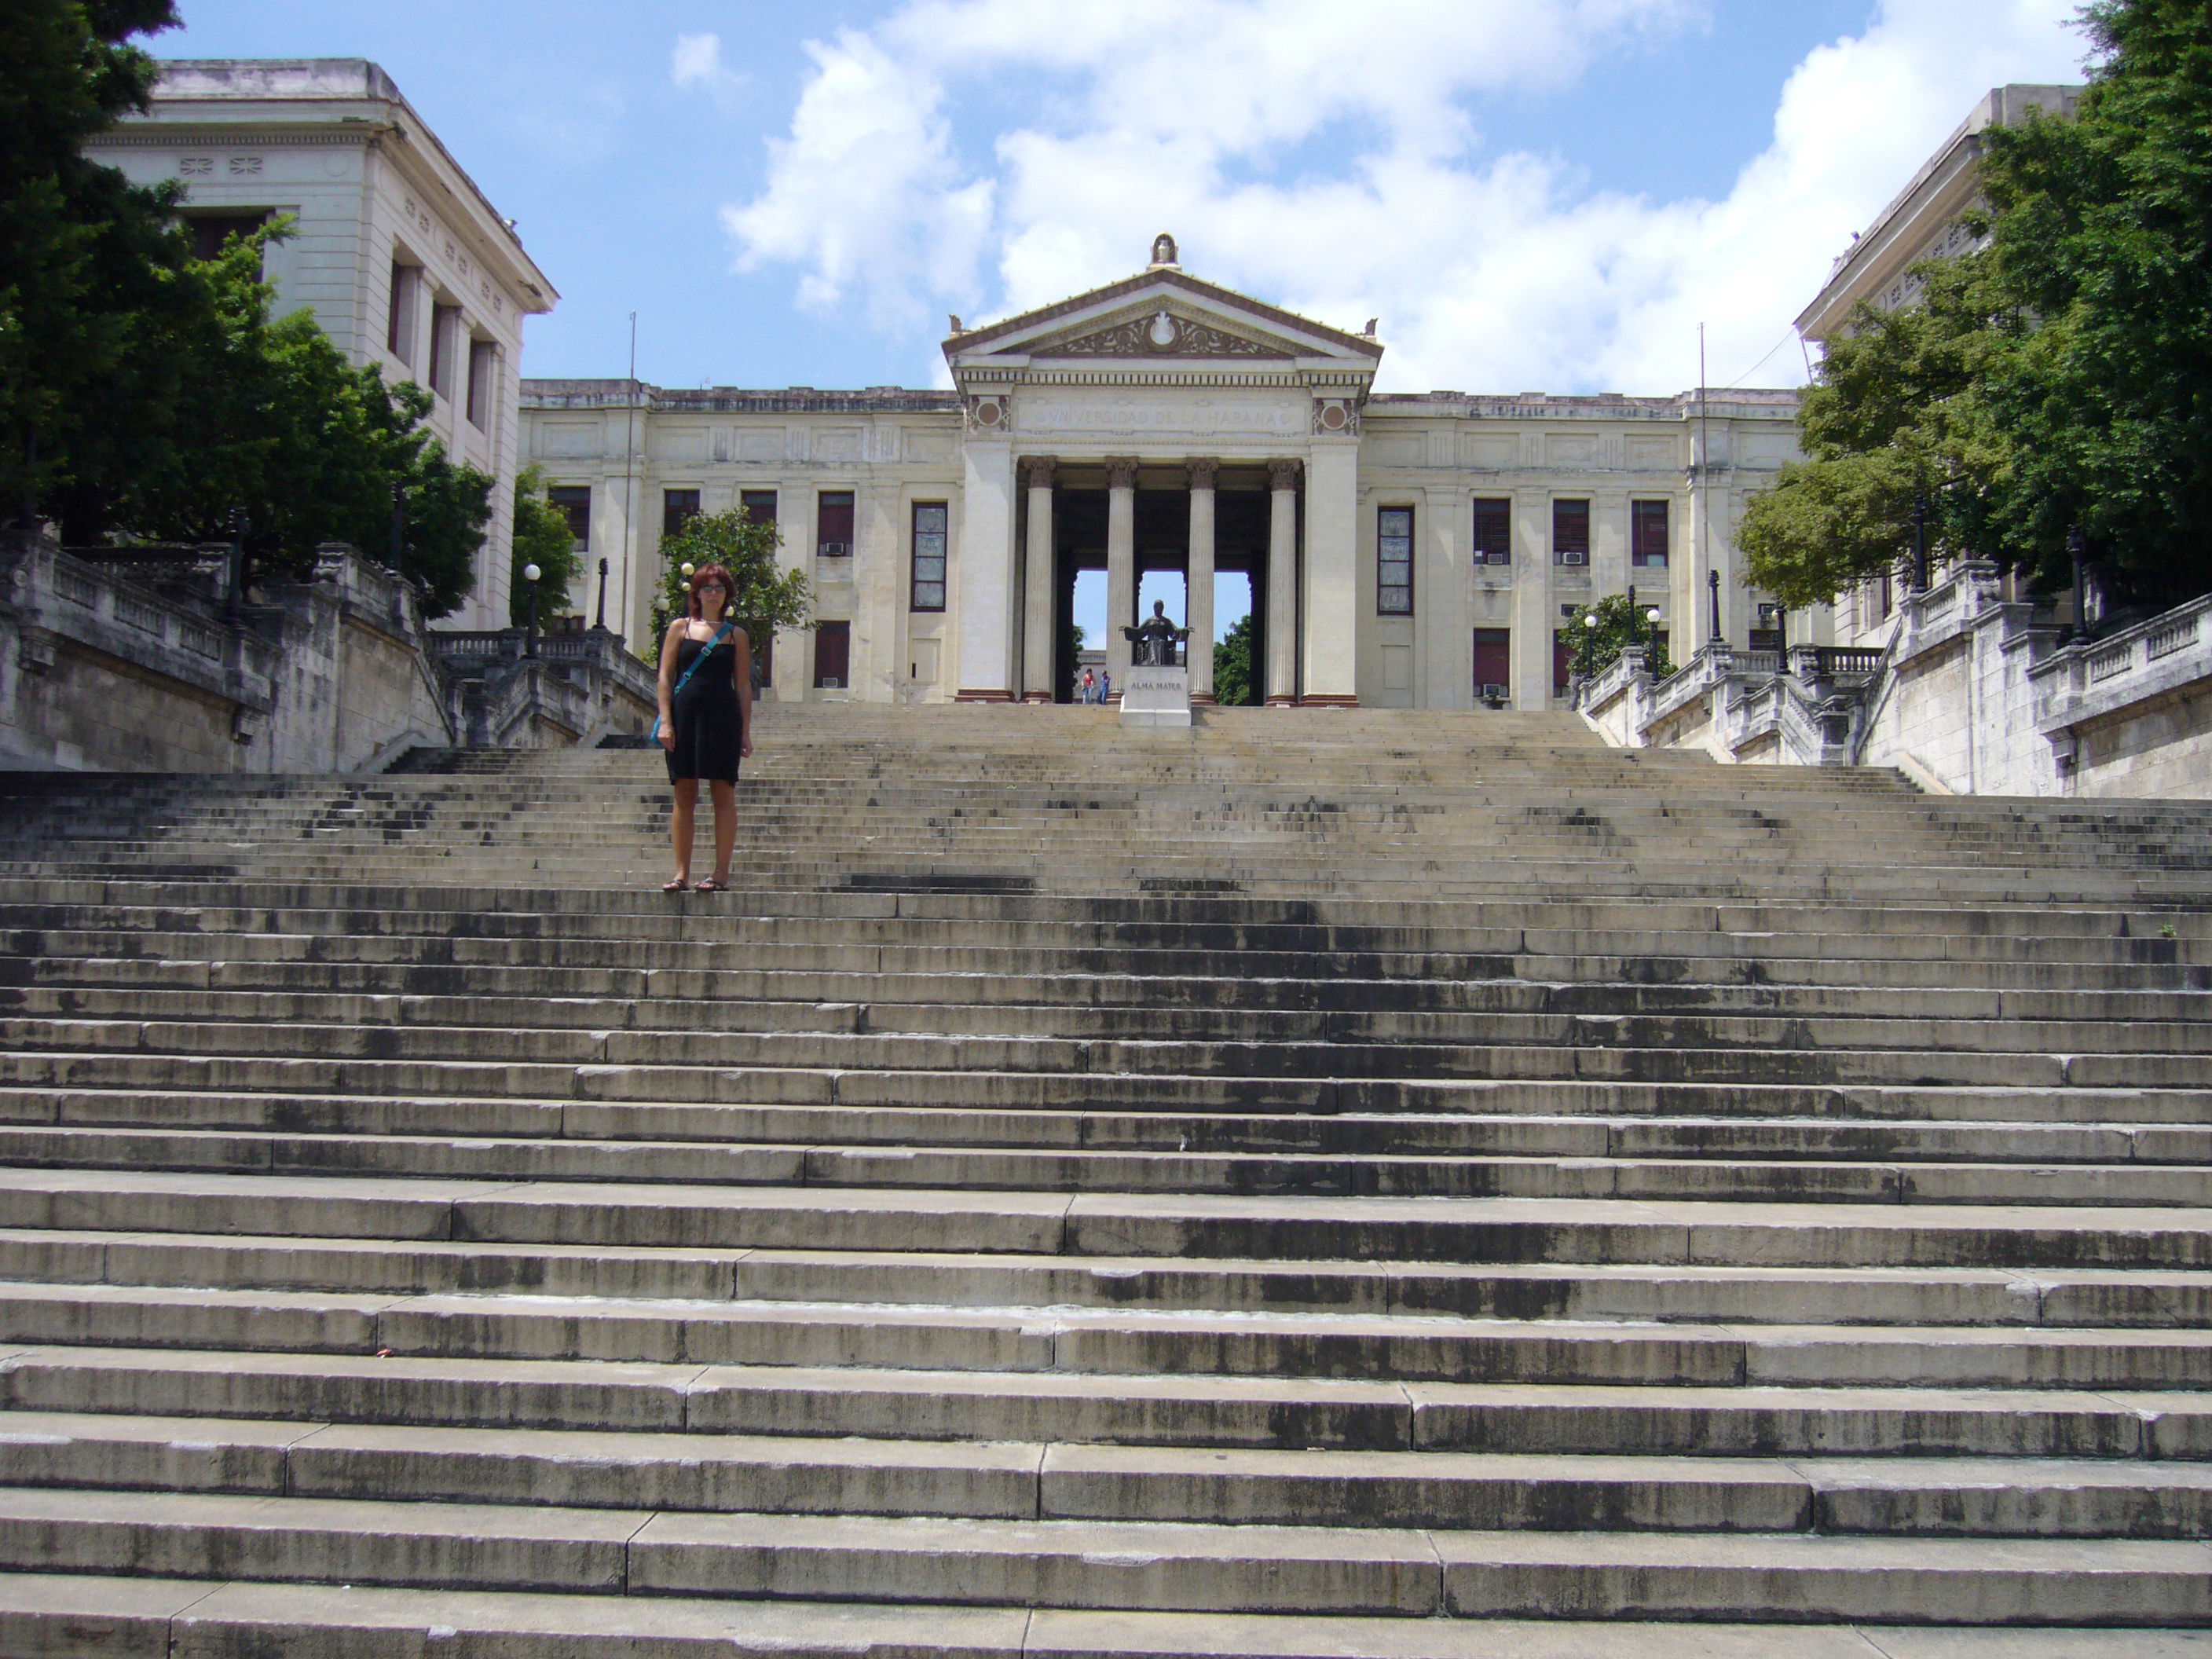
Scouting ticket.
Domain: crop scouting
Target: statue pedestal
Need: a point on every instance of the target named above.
(1156, 696)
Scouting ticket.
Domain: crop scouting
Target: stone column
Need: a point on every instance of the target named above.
(1330, 644)
(1036, 608)
(1120, 566)
(1198, 608)
(1282, 582)
(980, 574)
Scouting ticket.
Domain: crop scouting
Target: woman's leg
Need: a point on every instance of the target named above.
(726, 828)
(679, 824)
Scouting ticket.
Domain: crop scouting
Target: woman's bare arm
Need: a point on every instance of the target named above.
(741, 670)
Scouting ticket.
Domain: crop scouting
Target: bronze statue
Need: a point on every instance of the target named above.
(1153, 643)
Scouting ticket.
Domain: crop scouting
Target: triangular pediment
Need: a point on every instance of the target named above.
(1163, 313)
(1162, 331)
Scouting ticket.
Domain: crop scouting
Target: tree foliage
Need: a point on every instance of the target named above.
(1234, 682)
(2056, 377)
(85, 321)
(542, 538)
(1620, 625)
(767, 597)
(147, 395)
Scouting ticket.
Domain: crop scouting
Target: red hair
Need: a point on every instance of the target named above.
(704, 574)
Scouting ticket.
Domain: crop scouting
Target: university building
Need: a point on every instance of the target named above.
(1403, 550)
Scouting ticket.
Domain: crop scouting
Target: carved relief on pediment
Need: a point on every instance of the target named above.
(1161, 333)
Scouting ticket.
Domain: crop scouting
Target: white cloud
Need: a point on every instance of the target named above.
(1490, 270)
(696, 61)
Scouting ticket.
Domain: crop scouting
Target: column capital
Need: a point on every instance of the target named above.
(1284, 474)
(1201, 473)
(1120, 472)
(1039, 469)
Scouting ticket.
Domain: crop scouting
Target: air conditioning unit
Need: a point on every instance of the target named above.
(830, 682)
(1499, 555)
(836, 550)
(1495, 694)
(1574, 558)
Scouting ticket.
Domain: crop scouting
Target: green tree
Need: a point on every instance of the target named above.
(2059, 380)
(1897, 424)
(2104, 236)
(542, 538)
(1233, 682)
(1620, 625)
(307, 446)
(767, 597)
(86, 314)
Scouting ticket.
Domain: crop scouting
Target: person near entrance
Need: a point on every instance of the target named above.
(706, 719)
(1090, 686)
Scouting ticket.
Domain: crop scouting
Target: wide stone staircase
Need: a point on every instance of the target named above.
(1324, 1184)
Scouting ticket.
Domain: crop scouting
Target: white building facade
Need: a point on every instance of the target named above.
(402, 260)
(1403, 550)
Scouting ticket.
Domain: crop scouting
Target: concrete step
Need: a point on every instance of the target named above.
(1287, 1227)
(1017, 1480)
(1404, 1347)
(1723, 1172)
(1212, 1411)
(49, 1615)
(1670, 1293)
(1081, 1564)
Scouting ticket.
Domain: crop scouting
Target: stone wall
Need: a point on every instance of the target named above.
(112, 664)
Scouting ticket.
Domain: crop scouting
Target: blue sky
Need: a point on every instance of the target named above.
(1530, 193)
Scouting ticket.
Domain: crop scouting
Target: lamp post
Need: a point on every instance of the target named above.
(531, 573)
(601, 624)
(1919, 541)
(1651, 648)
(1713, 586)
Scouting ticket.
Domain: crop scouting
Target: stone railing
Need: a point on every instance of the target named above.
(2093, 679)
(567, 688)
(156, 658)
(1972, 694)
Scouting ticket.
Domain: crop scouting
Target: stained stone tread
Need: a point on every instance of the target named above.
(2082, 1298)
(1210, 1412)
(1161, 1566)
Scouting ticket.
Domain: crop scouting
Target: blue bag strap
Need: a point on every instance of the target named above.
(684, 678)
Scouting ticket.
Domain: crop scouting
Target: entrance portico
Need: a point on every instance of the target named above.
(1162, 424)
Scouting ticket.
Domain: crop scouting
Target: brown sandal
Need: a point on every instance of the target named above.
(710, 885)
(678, 885)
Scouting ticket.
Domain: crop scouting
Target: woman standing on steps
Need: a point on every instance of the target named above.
(706, 719)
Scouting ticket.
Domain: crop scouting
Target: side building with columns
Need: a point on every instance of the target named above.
(403, 261)
(1411, 550)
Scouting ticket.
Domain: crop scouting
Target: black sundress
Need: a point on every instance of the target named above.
(709, 725)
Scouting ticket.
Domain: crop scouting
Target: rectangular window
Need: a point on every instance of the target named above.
(574, 503)
(211, 230)
(481, 360)
(931, 521)
(833, 655)
(1493, 530)
(1562, 662)
(1394, 561)
(399, 322)
(1570, 532)
(759, 505)
(833, 523)
(1647, 533)
(444, 327)
(1494, 664)
(678, 509)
